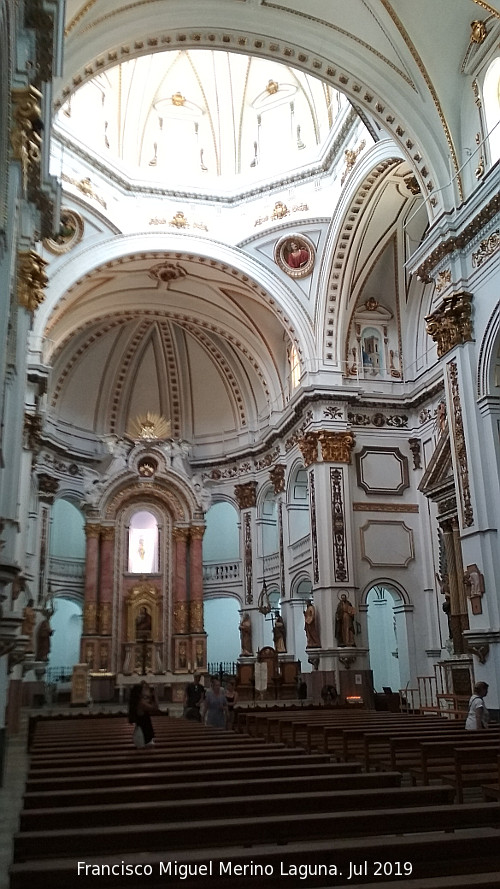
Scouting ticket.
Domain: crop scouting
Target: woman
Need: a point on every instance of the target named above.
(142, 704)
(478, 716)
(214, 706)
(232, 700)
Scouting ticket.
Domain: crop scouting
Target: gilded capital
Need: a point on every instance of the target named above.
(308, 445)
(180, 535)
(31, 279)
(197, 532)
(107, 532)
(246, 495)
(277, 476)
(25, 132)
(92, 531)
(451, 325)
(336, 447)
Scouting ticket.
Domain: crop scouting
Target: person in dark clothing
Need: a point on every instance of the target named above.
(193, 698)
(142, 703)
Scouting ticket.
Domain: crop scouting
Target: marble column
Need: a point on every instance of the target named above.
(92, 535)
(104, 611)
(180, 623)
(196, 579)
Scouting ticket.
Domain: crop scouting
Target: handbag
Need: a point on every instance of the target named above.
(138, 737)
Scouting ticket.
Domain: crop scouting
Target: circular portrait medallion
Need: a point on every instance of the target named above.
(295, 254)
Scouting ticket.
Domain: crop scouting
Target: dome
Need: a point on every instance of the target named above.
(202, 118)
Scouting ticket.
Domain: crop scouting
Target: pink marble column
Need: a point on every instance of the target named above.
(106, 580)
(196, 579)
(180, 623)
(92, 535)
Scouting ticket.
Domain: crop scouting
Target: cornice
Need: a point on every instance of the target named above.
(458, 231)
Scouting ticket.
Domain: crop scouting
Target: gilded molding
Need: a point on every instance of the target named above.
(336, 447)
(89, 618)
(451, 325)
(105, 619)
(339, 539)
(180, 614)
(385, 507)
(486, 249)
(196, 617)
(458, 242)
(460, 447)
(31, 279)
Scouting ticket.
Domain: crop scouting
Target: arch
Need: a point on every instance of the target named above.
(393, 585)
(491, 97)
(488, 370)
(390, 632)
(263, 283)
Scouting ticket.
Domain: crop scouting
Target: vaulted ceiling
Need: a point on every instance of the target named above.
(210, 96)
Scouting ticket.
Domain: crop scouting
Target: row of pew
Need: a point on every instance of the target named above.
(268, 804)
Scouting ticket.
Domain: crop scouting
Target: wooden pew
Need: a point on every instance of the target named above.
(290, 768)
(53, 821)
(136, 791)
(433, 857)
(437, 759)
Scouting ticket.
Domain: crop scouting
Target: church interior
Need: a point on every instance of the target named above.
(249, 351)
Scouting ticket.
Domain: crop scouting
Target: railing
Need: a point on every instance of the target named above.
(223, 669)
(221, 572)
(67, 567)
(58, 674)
(301, 548)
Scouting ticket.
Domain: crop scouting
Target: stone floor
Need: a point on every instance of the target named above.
(11, 796)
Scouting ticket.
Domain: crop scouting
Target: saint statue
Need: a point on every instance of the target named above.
(143, 624)
(245, 629)
(279, 633)
(310, 627)
(344, 622)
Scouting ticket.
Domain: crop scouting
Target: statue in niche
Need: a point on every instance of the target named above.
(245, 629)
(279, 633)
(143, 624)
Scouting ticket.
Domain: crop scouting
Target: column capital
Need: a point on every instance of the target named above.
(277, 476)
(336, 447)
(92, 531)
(308, 445)
(180, 535)
(450, 324)
(246, 495)
(196, 532)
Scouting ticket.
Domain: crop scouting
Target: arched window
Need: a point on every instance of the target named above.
(491, 94)
(143, 543)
